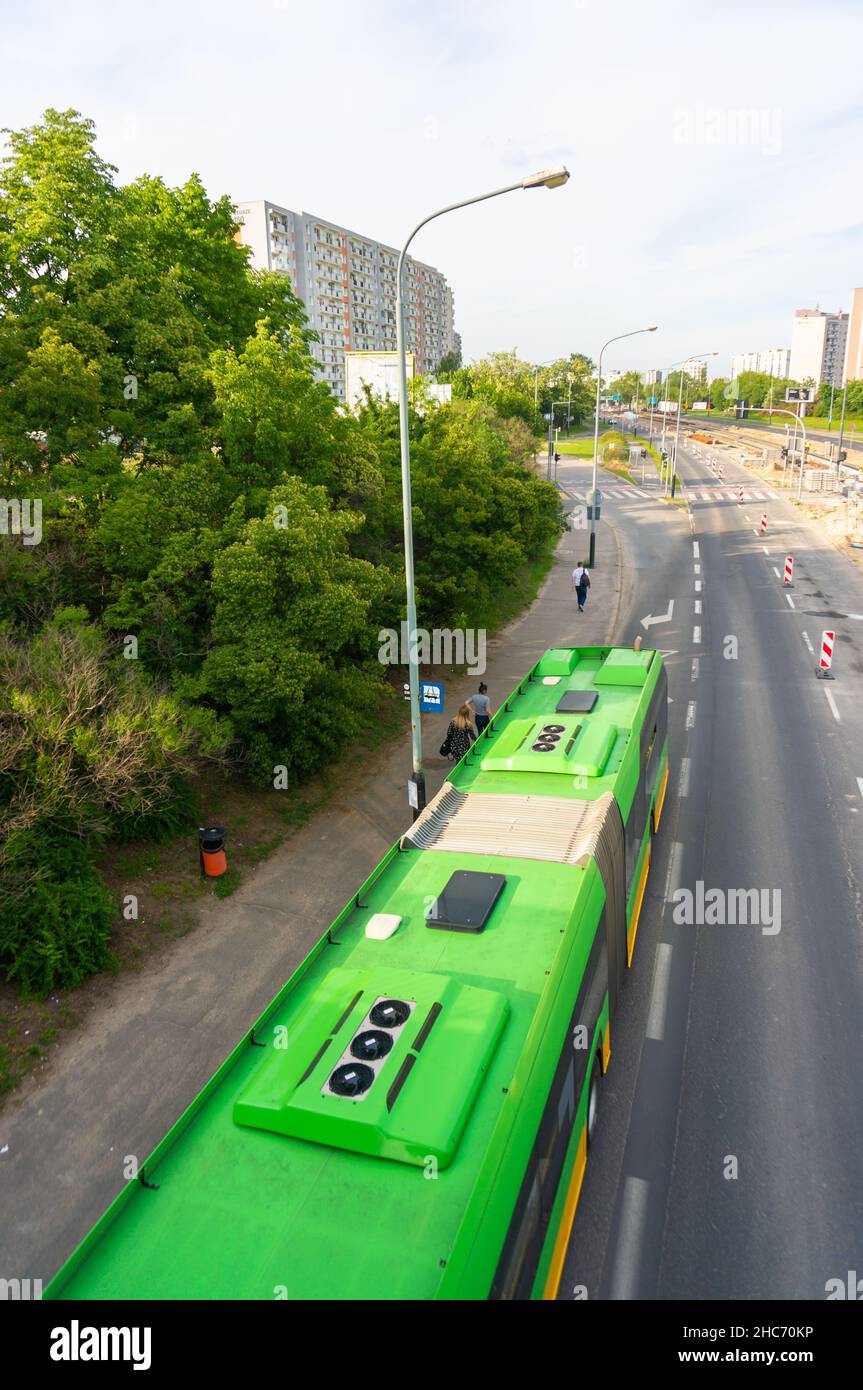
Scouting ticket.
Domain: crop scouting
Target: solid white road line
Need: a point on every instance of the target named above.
(627, 1257)
(790, 601)
(696, 663)
(776, 572)
(808, 643)
(766, 551)
(860, 785)
(690, 715)
(659, 993)
(683, 780)
(696, 635)
(832, 703)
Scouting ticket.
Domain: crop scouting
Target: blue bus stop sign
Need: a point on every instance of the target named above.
(431, 697)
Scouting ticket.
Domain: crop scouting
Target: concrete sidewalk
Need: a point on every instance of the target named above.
(156, 1037)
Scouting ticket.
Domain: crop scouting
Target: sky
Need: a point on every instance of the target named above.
(714, 148)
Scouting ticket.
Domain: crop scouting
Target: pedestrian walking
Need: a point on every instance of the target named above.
(481, 706)
(576, 575)
(581, 588)
(459, 736)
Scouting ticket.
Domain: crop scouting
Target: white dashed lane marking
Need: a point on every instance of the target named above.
(659, 993)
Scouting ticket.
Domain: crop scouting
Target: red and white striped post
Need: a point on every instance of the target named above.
(788, 577)
(763, 523)
(826, 657)
(740, 497)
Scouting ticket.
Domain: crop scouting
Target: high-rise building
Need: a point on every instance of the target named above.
(854, 346)
(696, 368)
(775, 362)
(818, 346)
(653, 377)
(348, 285)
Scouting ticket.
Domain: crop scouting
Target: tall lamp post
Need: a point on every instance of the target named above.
(672, 471)
(546, 178)
(633, 334)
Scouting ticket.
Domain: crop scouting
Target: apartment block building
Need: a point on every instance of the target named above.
(653, 377)
(696, 368)
(818, 346)
(348, 285)
(775, 362)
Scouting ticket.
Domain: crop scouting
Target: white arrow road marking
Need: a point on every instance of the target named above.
(660, 618)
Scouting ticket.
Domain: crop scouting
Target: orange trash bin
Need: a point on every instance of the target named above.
(211, 848)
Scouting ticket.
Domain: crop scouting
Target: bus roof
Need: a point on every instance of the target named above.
(270, 1185)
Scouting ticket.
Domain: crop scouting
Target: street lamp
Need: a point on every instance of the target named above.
(549, 471)
(546, 178)
(633, 334)
(673, 469)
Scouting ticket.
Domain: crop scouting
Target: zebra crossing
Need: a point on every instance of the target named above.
(694, 493)
(725, 494)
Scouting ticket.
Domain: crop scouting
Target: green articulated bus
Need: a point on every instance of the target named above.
(410, 1118)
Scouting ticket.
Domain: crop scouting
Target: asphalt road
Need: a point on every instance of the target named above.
(727, 1161)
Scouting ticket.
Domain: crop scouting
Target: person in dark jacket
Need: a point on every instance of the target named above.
(459, 736)
(582, 588)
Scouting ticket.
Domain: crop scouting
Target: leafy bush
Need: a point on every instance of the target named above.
(55, 911)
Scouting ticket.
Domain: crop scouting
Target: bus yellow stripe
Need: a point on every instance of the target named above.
(555, 1269)
(639, 899)
(660, 800)
(606, 1047)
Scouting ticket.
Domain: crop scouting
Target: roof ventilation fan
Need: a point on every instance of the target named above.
(390, 1013)
(543, 748)
(351, 1080)
(554, 728)
(372, 1045)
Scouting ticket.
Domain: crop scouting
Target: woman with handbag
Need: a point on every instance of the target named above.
(459, 736)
